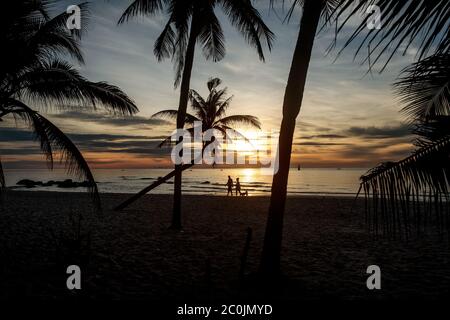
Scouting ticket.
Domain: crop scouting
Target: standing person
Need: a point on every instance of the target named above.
(230, 186)
(238, 187)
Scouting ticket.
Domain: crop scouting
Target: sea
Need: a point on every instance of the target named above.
(211, 181)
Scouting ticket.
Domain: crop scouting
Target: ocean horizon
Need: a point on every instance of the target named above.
(320, 181)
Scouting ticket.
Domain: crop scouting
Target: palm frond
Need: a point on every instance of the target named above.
(31, 37)
(172, 114)
(109, 97)
(249, 120)
(226, 130)
(424, 24)
(410, 195)
(213, 83)
(52, 141)
(215, 97)
(53, 38)
(431, 130)
(223, 106)
(424, 88)
(198, 104)
(142, 8)
(57, 81)
(58, 23)
(225, 134)
(165, 44)
(249, 23)
(211, 36)
(194, 95)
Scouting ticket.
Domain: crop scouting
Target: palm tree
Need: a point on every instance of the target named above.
(398, 190)
(211, 113)
(312, 11)
(424, 90)
(33, 73)
(404, 22)
(189, 22)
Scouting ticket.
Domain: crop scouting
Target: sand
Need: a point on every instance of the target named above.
(133, 254)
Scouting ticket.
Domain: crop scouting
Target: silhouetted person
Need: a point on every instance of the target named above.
(238, 187)
(230, 186)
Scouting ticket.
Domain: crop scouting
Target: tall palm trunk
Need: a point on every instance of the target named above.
(270, 261)
(181, 117)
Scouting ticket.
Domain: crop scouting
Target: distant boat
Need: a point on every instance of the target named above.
(338, 168)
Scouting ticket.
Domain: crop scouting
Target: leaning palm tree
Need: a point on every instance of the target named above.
(191, 22)
(400, 192)
(34, 76)
(210, 112)
(404, 23)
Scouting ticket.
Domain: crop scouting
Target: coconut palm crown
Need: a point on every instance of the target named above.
(210, 112)
(34, 76)
(196, 20)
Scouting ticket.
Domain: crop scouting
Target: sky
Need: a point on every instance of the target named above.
(348, 118)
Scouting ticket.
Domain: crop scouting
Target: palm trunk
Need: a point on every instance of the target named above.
(181, 117)
(270, 261)
(154, 185)
(160, 181)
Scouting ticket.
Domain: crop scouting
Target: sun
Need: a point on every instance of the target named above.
(249, 146)
(248, 174)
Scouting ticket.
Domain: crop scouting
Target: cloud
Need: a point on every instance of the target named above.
(112, 143)
(310, 143)
(20, 151)
(108, 119)
(14, 135)
(372, 132)
(381, 152)
(325, 136)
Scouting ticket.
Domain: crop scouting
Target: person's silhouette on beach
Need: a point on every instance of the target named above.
(230, 186)
(238, 187)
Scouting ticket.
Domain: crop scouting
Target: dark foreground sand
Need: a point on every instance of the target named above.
(133, 254)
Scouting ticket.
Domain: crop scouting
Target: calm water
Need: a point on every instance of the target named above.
(205, 181)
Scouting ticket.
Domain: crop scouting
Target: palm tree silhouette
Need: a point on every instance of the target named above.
(403, 23)
(312, 10)
(211, 113)
(189, 22)
(424, 175)
(33, 73)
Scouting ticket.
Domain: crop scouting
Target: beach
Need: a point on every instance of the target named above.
(133, 255)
